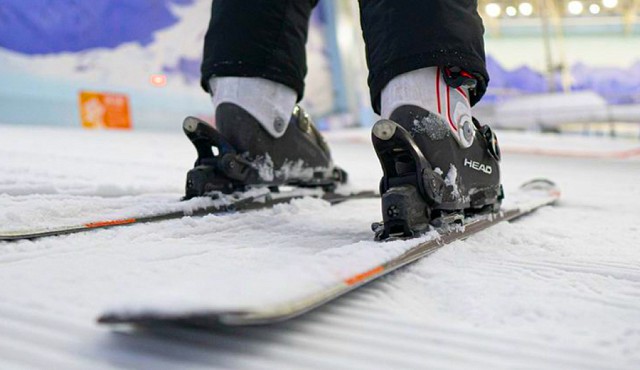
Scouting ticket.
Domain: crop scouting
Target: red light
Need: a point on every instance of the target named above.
(158, 80)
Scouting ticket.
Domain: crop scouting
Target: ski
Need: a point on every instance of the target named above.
(240, 202)
(531, 196)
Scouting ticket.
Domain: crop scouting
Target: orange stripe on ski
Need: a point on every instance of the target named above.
(363, 276)
(110, 223)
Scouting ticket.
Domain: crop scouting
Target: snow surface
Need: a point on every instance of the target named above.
(566, 278)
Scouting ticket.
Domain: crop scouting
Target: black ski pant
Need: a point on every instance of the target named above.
(266, 38)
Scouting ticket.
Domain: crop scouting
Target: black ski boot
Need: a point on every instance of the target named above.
(240, 153)
(429, 178)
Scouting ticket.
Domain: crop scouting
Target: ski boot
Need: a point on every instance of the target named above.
(439, 164)
(242, 152)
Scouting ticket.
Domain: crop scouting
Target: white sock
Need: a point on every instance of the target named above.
(427, 89)
(271, 103)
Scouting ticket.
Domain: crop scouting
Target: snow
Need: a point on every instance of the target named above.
(451, 180)
(559, 288)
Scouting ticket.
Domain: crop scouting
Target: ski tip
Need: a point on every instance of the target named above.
(539, 184)
(542, 185)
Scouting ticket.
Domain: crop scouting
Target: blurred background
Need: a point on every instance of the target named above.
(555, 65)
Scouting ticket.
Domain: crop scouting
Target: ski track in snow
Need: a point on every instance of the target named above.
(557, 289)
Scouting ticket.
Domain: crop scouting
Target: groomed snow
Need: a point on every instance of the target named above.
(566, 279)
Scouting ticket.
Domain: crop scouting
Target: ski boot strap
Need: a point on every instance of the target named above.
(490, 137)
(456, 77)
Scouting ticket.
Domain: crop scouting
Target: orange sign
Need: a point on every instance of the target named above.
(104, 110)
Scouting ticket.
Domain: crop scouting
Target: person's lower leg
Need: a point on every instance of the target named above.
(426, 71)
(254, 67)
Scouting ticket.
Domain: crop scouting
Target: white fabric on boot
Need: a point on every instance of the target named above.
(271, 103)
(427, 89)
